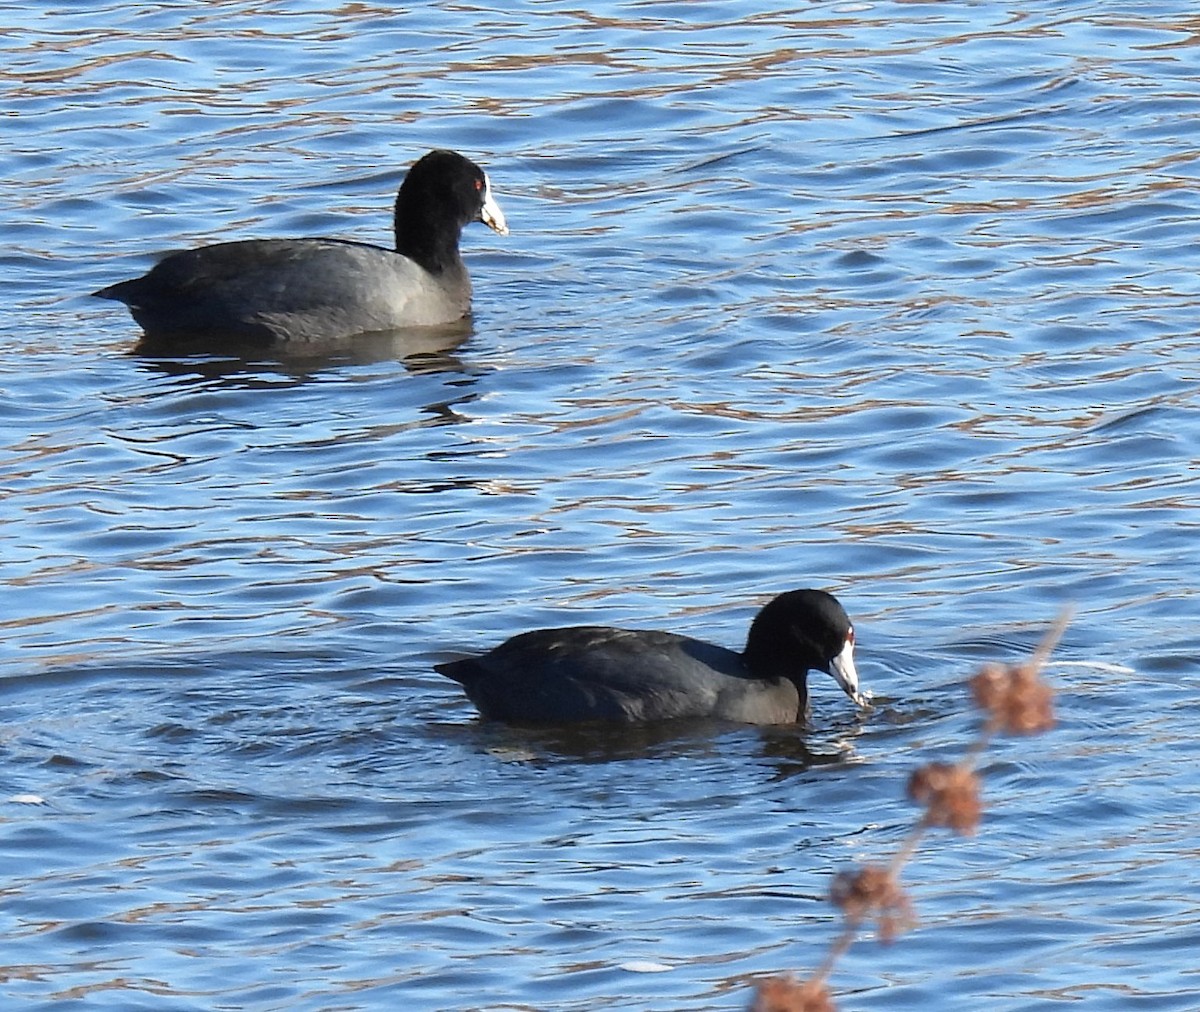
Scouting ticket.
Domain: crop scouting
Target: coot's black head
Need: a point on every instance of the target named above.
(800, 631)
(442, 192)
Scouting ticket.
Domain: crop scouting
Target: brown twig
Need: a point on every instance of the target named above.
(1015, 701)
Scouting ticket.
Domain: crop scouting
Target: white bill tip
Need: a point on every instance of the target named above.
(490, 214)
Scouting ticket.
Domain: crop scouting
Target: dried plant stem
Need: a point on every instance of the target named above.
(1016, 701)
(1051, 638)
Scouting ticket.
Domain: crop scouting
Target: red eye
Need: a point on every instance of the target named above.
(479, 184)
(850, 636)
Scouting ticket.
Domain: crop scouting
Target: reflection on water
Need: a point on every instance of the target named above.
(786, 750)
(897, 300)
(418, 349)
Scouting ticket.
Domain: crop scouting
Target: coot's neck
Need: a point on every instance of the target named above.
(765, 659)
(425, 234)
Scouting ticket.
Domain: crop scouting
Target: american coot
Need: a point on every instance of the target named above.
(629, 676)
(262, 291)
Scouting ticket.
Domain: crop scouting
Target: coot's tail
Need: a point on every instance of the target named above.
(466, 671)
(122, 291)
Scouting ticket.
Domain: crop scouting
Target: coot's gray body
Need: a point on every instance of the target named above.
(262, 292)
(584, 673)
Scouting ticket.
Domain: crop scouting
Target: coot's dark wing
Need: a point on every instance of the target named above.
(264, 290)
(596, 673)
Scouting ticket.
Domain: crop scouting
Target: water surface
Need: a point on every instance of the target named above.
(894, 299)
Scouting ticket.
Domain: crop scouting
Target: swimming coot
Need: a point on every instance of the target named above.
(259, 292)
(629, 676)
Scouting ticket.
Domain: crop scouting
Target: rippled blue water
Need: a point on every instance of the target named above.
(895, 299)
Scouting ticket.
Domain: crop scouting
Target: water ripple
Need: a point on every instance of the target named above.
(893, 299)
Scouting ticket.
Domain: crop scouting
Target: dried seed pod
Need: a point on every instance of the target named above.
(950, 794)
(786, 994)
(873, 891)
(1015, 698)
